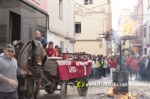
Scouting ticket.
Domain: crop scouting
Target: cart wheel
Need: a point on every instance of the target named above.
(63, 91)
(81, 86)
(50, 91)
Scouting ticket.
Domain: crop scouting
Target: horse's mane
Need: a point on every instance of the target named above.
(23, 55)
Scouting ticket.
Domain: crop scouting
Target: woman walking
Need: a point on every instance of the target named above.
(105, 65)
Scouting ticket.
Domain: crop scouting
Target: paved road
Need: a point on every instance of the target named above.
(96, 92)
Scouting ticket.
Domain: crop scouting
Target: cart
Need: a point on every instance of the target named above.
(74, 72)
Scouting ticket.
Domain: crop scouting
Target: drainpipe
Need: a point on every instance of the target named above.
(74, 28)
(47, 24)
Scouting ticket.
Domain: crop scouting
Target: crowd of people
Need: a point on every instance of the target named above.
(138, 67)
(103, 66)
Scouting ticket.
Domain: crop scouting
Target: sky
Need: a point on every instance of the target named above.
(117, 6)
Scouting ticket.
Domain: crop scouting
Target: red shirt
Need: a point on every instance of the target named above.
(57, 54)
(112, 63)
(128, 61)
(50, 52)
(66, 56)
(135, 64)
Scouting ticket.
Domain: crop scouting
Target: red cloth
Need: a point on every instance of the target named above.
(60, 55)
(112, 63)
(50, 52)
(67, 71)
(128, 61)
(135, 64)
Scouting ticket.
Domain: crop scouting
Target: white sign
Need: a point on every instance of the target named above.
(62, 62)
(72, 69)
(84, 70)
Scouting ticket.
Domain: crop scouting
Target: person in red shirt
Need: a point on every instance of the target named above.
(112, 64)
(60, 51)
(129, 64)
(64, 56)
(57, 52)
(135, 66)
(50, 51)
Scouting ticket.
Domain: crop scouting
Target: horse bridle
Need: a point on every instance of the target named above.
(34, 60)
(33, 57)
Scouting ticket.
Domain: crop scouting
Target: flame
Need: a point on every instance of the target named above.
(121, 96)
(110, 92)
(129, 27)
(128, 96)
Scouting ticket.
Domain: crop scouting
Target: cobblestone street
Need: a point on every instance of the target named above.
(142, 88)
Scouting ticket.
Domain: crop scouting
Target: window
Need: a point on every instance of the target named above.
(140, 12)
(78, 27)
(30, 34)
(61, 9)
(86, 2)
(145, 51)
(2, 34)
(144, 32)
(148, 3)
(38, 1)
(62, 45)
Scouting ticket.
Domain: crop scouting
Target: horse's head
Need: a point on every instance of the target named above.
(38, 51)
(32, 50)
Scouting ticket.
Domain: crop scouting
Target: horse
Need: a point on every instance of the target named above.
(27, 55)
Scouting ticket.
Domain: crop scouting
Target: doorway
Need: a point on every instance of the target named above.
(15, 26)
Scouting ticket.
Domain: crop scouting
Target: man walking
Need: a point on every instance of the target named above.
(142, 71)
(8, 73)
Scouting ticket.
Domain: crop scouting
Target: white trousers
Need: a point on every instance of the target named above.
(111, 71)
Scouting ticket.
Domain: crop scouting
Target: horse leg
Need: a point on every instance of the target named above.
(22, 93)
(36, 85)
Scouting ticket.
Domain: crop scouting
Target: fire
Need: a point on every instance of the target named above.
(110, 92)
(128, 96)
(121, 96)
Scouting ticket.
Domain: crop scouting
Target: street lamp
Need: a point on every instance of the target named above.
(72, 41)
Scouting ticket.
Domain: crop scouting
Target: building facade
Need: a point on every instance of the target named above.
(139, 44)
(93, 17)
(61, 23)
(19, 19)
(146, 27)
